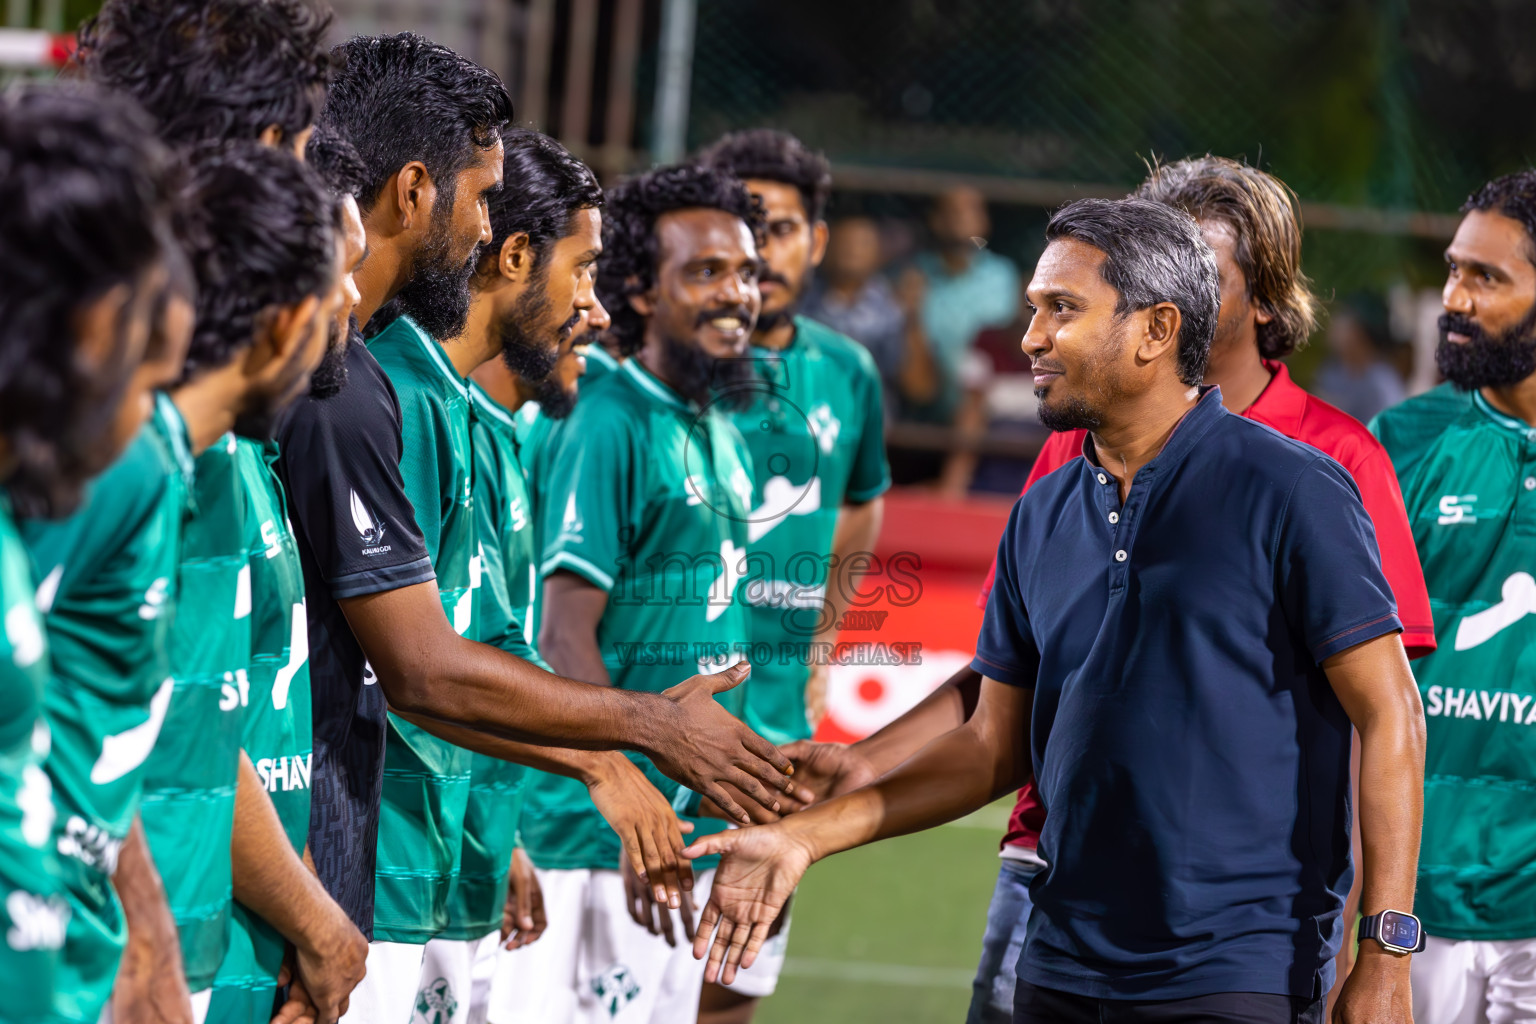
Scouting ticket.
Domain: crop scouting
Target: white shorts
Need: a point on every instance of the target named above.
(446, 987)
(594, 965)
(1475, 982)
(761, 979)
(387, 993)
(200, 1002)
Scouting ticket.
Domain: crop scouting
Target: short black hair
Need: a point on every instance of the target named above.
(775, 156)
(1512, 196)
(542, 186)
(259, 237)
(213, 69)
(335, 162)
(88, 202)
(630, 250)
(1152, 253)
(403, 97)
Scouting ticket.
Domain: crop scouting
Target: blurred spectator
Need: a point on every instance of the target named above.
(1360, 375)
(999, 398)
(959, 288)
(850, 296)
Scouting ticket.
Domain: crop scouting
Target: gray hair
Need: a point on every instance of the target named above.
(1152, 253)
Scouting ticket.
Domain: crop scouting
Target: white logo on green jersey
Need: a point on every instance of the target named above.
(285, 773)
(694, 485)
(35, 798)
(516, 514)
(122, 752)
(723, 591)
(570, 523)
(1519, 600)
(48, 590)
(1483, 705)
(25, 634)
(1457, 508)
(36, 922)
(782, 498)
(155, 598)
(368, 528)
(243, 592)
(271, 538)
(236, 690)
(825, 426)
(298, 654)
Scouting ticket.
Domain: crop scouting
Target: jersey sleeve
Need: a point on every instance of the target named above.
(500, 624)
(588, 504)
(426, 466)
(870, 475)
(1006, 649)
(341, 465)
(1058, 450)
(1327, 565)
(1399, 555)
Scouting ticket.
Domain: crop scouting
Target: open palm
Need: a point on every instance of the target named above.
(759, 869)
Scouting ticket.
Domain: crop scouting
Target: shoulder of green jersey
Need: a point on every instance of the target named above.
(575, 563)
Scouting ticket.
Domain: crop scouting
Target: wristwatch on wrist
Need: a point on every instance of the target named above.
(1394, 931)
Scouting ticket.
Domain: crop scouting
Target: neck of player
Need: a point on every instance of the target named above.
(480, 342)
(1236, 367)
(777, 337)
(209, 403)
(1517, 400)
(1136, 429)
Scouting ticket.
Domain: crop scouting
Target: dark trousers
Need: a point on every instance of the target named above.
(1035, 1005)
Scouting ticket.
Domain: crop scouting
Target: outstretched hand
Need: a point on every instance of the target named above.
(758, 872)
(709, 746)
(829, 769)
(646, 825)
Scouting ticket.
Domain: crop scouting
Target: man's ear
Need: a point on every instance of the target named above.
(285, 332)
(819, 236)
(643, 303)
(415, 194)
(1161, 335)
(517, 258)
(271, 136)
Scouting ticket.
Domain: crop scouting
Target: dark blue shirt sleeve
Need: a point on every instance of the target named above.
(1006, 649)
(1328, 566)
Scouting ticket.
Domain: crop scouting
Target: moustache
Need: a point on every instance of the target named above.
(1460, 323)
(569, 326)
(741, 313)
(769, 277)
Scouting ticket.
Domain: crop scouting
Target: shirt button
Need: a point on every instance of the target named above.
(1120, 555)
(1103, 479)
(1114, 517)
(1530, 483)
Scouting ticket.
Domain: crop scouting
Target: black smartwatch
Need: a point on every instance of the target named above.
(1394, 931)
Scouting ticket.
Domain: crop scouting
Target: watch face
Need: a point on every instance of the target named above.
(1399, 929)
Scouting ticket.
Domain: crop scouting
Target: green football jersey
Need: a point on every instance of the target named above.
(34, 912)
(107, 596)
(189, 778)
(426, 780)
(508, 577)
(816, 434)
(1468, 474)
(647, 497)
(278, 729)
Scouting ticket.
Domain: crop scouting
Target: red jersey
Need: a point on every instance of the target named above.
(1284, 406)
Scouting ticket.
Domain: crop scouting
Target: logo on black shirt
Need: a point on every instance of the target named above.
(368, 528)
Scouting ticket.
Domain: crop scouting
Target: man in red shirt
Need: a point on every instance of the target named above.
(1249, 220)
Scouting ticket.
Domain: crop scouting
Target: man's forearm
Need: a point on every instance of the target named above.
(269, 877)
(947, 707)
(1391, 809)
(586, 766)
(138, 886)
(953, 775)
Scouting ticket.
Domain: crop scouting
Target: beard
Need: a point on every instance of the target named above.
(331, 374)
(1486, 361)
(698, 376)
(523, 350)
(1073, 414)
(554, 400)
(767, 321)
(437, 295)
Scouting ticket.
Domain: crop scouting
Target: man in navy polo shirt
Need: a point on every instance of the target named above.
(1186, 623)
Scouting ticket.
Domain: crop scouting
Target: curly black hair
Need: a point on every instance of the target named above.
(1512, 196)
(259, 237)
(88, 198)
(335, 162)
(213, 69)
(542, 186)
(628, 266)
(403, 97)
(775, 156)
